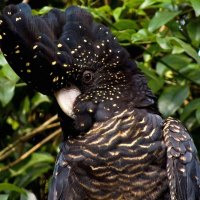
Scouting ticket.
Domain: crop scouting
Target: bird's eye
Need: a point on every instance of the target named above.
(87, 76)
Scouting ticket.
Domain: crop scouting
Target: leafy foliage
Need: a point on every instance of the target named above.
(162, 36)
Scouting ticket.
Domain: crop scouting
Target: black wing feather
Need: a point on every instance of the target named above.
(29, 44)
(183, 167)
(60, 180)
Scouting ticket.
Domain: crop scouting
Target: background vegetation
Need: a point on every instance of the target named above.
(163, 36)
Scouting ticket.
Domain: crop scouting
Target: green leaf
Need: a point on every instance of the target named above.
(117, 13)
(172, 98)
(155, 82)
(198, 115)
(194, 75)
(2, 60)
(176, 61)
(25, 106)
(160, 19)
(163, 43)
(124, 24)
(4, 196)
(177, 49)
(149, 3)
(174, 29)
(8, 72)
(11, 187)
(196, 6)
(133, 4)
(42, 11)
(124, 36)
(189, 68)
(193, 30)
(191, 121)
(38, 99)
(191, 107)
(161, 68)
(7, 89)
(142, 36)
(186, 47)
(102, 13)
(34, 160)
(32, 174)
(8, 79)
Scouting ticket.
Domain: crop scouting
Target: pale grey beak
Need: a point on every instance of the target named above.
(66, 98)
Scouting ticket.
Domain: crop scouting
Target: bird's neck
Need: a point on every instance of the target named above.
(126, 129)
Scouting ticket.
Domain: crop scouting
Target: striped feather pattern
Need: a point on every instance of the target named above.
(116, 159)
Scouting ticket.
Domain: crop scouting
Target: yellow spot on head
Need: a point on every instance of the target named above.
(55, 79)
(1, 37)
(34, 47)
(65, 65)
(59, 45)
(58, 53)
(53, 63)
(18, 18)
(18, 51)
(90, 110)
(28, 71)
(27, 64)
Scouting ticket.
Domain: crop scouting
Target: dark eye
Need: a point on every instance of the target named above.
(87, 76)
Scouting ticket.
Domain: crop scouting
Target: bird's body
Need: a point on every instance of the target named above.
(115, 143)
(113, 161)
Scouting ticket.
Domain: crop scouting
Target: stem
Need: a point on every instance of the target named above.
(20, 85)
(30, 151)
(12, 147)
(106, 2)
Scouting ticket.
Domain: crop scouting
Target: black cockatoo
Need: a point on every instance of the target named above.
(115, 143)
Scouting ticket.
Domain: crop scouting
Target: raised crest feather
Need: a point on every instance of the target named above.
(51, 42)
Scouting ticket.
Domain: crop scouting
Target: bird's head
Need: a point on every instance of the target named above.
(69, 56)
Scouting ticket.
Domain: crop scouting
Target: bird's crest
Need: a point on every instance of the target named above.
(44, 49)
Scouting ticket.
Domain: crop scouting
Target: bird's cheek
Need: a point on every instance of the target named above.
(66, 98)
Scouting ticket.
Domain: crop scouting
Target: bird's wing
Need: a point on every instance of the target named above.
(183, 167)
(60, 182)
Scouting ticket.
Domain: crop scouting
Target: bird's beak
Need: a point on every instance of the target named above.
(66, 98)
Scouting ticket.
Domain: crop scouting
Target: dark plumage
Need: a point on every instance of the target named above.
(116, 145)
